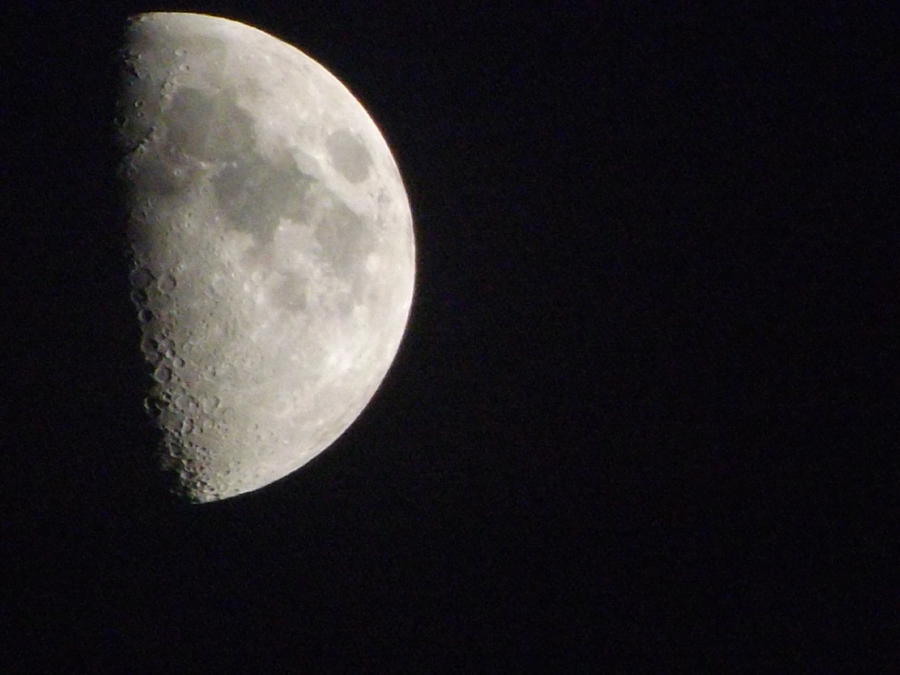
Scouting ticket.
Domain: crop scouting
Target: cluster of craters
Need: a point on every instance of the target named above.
(182, 411)
(272, 248)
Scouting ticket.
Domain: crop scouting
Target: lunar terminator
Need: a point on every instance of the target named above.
(272, 245)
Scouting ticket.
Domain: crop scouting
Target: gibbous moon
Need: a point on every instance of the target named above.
(272, 245)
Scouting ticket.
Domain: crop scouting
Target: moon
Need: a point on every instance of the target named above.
(272, 249)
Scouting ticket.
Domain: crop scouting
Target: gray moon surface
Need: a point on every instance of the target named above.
(272, 249)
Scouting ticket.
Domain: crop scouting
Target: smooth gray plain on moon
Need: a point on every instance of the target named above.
(273, 248)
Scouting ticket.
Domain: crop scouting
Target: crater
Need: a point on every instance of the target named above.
(162, 173)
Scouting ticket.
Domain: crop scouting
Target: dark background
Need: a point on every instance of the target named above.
(641, 416)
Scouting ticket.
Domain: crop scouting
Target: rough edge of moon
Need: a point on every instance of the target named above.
(258, 183)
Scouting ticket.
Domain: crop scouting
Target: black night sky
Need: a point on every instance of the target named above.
(640, 419)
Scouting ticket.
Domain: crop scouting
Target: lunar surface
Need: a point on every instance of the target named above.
(272, 247)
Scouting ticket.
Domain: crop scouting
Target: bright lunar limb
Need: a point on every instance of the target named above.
(272, 243)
